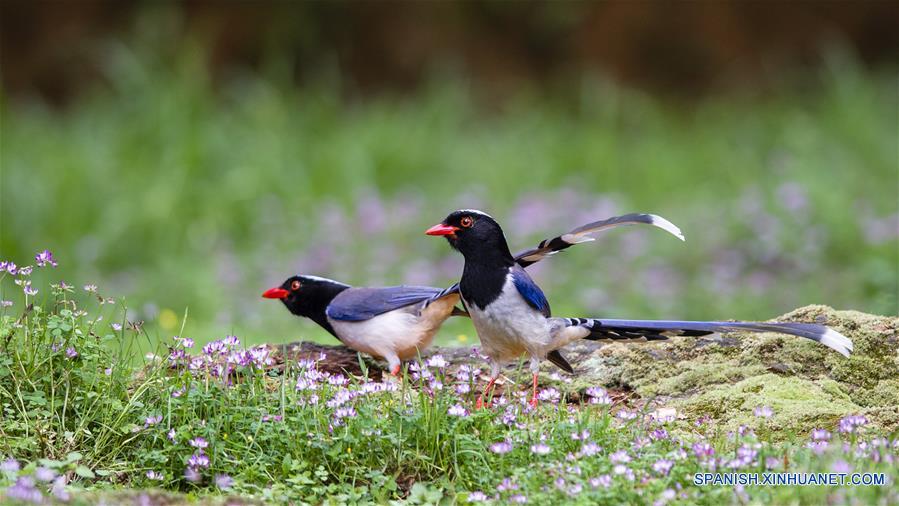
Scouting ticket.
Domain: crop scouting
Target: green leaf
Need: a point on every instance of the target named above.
(73, 457)
(84, 472)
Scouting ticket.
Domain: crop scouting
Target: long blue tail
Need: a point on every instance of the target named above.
(662, 329)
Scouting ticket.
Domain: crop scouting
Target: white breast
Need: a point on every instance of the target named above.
(509, 327)
(399, 334)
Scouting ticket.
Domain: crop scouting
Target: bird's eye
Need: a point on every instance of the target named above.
(295, 285)
(466, 221)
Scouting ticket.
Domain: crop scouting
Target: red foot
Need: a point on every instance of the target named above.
(395, 370)
(479, 404)
(533, 402)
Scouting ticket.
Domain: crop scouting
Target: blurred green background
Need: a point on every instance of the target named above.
(191, 155)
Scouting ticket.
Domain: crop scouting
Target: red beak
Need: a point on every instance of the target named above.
(441, 229)
(276, 293)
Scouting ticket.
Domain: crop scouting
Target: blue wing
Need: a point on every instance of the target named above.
(530, 291)
(359, 304)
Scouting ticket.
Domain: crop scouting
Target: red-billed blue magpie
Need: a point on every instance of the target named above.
(513, 319)
(396, 323)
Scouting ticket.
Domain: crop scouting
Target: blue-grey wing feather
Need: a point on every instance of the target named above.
(359, 304)
(530, 291)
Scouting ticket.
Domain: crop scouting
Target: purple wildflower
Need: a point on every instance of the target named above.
(24, 490)
(214, 348)
(518, 499)
(116, 326)
(625, 414)
(192, 475)
(604, 481)
(841, 466)
(549, 394)
(184, 342)
(540, 449)
(5, 303)
(580, 436)
(43, 258)
(662, 466)
(851, 423)
(345, 412)
(437, 362)
(338, 380)
(501, 447)
(272, 418)
(10, 268)
(223, 481)
(305, 384)
(703, 450)
(506, 484)
(9, 466)
(152, 420)
(590, 449)
(153, 475)
(821, 435)
(29, 290)
(44, 474)
(619, 457)
(90, 288)
(171, 435)
(25, 271)
(477, 496)
(463, 388)
(457, 410)
(659, 434)
(199, 442)
(198, 459)
(818, 447)
(763, 412)
(71, 353)
(59, 489)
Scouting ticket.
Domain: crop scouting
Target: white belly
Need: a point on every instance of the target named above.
(402, 333)
(509, 327)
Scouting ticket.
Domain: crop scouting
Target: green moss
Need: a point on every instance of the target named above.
(884, 394)
(799, 404)
(690, 376)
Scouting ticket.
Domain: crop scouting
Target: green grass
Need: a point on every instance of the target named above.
(279, 435)
(187, 196)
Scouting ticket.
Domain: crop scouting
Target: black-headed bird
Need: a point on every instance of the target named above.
(513, 319)
(396, 323)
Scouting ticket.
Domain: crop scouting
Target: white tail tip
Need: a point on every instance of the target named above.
(667, 226)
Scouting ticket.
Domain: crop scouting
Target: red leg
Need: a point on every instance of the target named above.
(480, 403)
(534, 393)
(395, 370)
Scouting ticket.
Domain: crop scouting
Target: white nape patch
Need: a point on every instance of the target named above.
(476, 212)
(837, 342)
(321, 279)
(577, 238)
(667, 226)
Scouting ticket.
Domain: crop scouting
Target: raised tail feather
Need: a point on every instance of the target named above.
(581, 234)
(662, 329)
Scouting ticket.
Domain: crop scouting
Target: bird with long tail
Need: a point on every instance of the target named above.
(513, 318)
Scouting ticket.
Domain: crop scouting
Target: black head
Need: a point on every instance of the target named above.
(475, 234)
(307, 296)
